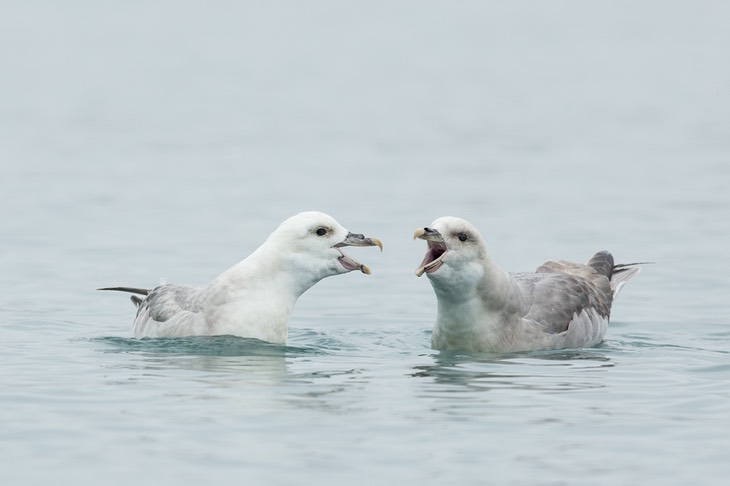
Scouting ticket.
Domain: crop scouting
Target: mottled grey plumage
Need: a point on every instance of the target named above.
(482, 308)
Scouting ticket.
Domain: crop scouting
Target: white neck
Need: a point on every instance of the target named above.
(471, 315)
(255, 297)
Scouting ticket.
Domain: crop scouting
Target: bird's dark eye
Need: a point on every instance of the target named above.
(321, 231)
(463, 237)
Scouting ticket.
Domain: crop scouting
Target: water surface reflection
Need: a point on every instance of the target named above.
(543, 370)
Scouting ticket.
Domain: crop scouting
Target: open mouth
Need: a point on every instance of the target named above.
(351, 264)
(433, 259)
(435, 253)
(356, 240)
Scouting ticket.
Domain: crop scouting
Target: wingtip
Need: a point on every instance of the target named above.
(131, 290)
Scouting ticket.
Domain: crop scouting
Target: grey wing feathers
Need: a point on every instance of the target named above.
(602, 263)
(563, 289)
(558, 297)
(163, 302)
(166, 301)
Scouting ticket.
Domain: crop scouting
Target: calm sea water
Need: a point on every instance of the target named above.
(149, 140)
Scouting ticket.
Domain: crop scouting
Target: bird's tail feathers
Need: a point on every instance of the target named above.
(135, 297)
(622, 273)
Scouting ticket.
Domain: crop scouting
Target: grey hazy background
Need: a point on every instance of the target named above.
(147, 140)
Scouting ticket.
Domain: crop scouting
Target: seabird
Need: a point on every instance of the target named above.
(482, 308)
(255, 297)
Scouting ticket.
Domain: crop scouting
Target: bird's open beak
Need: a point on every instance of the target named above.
(353, 239)
(436, 250)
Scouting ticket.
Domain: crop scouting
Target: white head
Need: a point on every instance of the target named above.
(311, 242)
(456, 254)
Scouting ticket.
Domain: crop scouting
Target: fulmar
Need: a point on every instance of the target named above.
(254, 298)
(484, 309)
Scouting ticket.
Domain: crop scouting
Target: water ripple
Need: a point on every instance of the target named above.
(201, 346)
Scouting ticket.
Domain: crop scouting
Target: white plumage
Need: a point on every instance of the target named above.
(255, 297)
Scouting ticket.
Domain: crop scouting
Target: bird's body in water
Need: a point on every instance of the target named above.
(482, 308)
(255, 297)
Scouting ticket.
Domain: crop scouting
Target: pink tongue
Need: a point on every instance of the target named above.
(349, 263)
